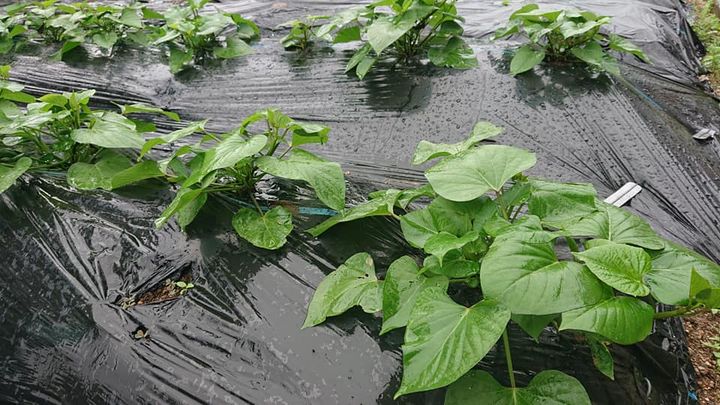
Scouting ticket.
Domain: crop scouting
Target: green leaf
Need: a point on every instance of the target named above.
(403, 284)
(8, 175)
(427, 150)
(130, 17)
(110, 131)
(621, 44)
(623, 320)
(443, 340)
(525, 59)
(533, 325)
(325, 177)
(474, 172)
(670, 278)
(622, 267)
(147, 109)
(183, 198)
(179, 59)
(547, 387)
(105, 40)
(110, 172)
(703, 292)
(384, 31)
(454, 265)
(617, 225)
(65, 48)
(353, 283)
(440, 216)
(227, 153)
(593, 54)
(601, 356)
(347, 34)
(173, 136)
(267, 231)
(375, 207)
(305, 132)
(561, 204)
(439, 245)
(364, 66)
(234, 48)
(522, 271)
(186, 214)
(454, 54)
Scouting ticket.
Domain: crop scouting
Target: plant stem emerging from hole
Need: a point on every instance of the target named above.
(508, 358)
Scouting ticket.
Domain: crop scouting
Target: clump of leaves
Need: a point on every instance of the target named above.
(184, 286)
(707, 27)
(235, 161)
(564, 35)
(405, 30)
(301, 32)
(58, 132)
(12, 26)
(74, 24)
(486, 225)
(194, 37)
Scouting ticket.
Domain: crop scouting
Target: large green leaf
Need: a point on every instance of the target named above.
(561, 204)
(185, 197)
(234, 48)
(227, 153)
(454, 265)
(624, 320)
(268, 230)
(353, 283)
(456, 54)
(669, 279)
(525, 59)
(549, 387)
(472, 173)
(443, 340)
(325, 177)
(427, 150)
(703, 292)
(379, 206)
(173, 136)
(441, 215)
(8, 175)
(522, 271)
(620, 266)
(403, 284)
(110, 131)
(111, 171)
(617, 225)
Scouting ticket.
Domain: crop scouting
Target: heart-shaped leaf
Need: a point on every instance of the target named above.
(472, 173)
(522, 271)
(111, 171)
(227, 153)
(267, 231)
(8, 175)
(353, 283)
(427, 150)
(561, 204)
(403, 283)
(110, 131)
(325, 177)
(439, 245)
(547, 387)
(624, 320)
(443, 339)
(525, 59)
(617, 225)
(669, 279)
(381, 205)
(622, 267)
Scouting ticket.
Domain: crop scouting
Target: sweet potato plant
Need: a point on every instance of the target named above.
(543, 254)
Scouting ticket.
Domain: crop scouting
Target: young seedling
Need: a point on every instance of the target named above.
(562, 35)
(487, 225)
(404, 30)
(194, 37)
(60, 132)
(232, 163)
(184, 286)
(301, 32)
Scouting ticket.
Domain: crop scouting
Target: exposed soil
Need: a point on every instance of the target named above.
(701, 330)
(165, 291)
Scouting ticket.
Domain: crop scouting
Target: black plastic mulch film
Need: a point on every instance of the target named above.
(68, 257)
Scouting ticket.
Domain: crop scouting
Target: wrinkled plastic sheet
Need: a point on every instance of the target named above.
(235, 338)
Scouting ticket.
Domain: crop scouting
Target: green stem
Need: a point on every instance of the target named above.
(461, 280)
(675, 312)
(571, 244)
(252, 197)
(508, 357)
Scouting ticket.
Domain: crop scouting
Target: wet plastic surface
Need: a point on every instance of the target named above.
(236, 338)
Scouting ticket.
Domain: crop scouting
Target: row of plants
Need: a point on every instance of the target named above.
(542, 254)
(186, 35)
(403, 31)
(108, 149)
